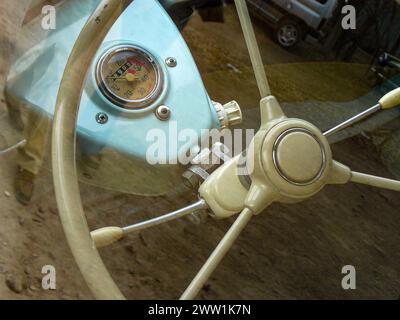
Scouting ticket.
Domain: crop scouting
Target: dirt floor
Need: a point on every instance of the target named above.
(287, 252)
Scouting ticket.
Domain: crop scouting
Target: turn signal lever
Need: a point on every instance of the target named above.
(106, 236)
(388, 101)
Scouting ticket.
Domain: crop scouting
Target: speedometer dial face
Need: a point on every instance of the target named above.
(129, 77)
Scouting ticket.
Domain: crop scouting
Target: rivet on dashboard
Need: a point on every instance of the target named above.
(163, 113)
(101, 118)
(171, 62)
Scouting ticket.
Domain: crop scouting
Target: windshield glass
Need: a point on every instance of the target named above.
(172, 83)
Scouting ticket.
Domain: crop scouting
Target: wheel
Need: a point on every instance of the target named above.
(289, 33)
(288, 160)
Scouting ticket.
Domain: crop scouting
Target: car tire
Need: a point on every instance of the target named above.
(289, 33)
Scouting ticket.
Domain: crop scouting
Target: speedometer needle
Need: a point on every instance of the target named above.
(129, 77)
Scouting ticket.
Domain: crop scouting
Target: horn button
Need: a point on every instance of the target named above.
(295, 159)
(299, 156)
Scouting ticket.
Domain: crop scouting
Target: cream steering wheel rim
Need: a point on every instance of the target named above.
(261, 192)
(65, 177)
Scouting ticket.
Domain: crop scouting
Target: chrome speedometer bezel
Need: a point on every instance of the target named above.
(131, 104)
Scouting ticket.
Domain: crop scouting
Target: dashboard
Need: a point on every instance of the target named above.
(143, 79)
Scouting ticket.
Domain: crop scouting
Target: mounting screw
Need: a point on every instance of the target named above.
(101, 118)
(171, 62)
(163, 113)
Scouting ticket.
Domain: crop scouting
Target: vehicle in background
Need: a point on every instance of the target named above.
(293, 20)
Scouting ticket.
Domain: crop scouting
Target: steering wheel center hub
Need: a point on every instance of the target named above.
(298, 156)
(295, 158)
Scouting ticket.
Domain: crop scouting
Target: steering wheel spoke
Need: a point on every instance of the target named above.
(375, 181)
(218, 254)
(341, 174)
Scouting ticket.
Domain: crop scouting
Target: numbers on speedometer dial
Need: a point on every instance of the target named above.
(129, 76)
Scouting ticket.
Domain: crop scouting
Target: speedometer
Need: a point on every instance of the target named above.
(129, 77)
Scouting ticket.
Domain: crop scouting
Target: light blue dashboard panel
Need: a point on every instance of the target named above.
(36, 76)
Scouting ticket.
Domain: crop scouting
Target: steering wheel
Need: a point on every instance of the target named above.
(289, 160)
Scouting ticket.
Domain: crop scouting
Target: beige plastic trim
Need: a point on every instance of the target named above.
(223, 191)
(106, 236)
(63, 150)
(391, 99)
(340, 174)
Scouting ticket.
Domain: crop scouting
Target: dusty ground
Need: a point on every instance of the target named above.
(289, 252)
